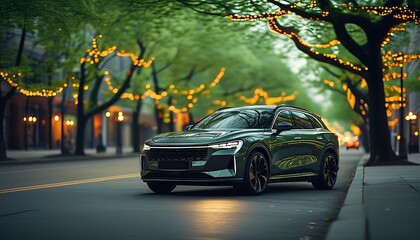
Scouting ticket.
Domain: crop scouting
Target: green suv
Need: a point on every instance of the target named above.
(245, 147)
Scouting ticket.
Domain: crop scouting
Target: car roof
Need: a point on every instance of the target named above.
(270, 107)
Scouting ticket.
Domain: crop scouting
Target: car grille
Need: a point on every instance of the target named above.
(192, 154)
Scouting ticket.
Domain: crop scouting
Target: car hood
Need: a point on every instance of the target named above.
(200, 137)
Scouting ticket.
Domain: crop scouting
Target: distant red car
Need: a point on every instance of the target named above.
(353, 143)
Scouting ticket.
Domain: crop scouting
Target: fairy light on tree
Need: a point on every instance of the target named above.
(93, 58)
(189, 94)
(262, 95)
(27, 91)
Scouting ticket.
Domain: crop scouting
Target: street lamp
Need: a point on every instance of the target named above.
(413, 142)
(120, 119)
(28, 121)
(402, 150)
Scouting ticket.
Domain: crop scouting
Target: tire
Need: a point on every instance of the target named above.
(256, 174)
(328, 173)
(161, 187)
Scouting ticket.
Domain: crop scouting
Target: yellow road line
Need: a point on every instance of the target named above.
(68, 183)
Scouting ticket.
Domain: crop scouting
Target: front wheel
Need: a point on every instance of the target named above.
(161, 187)
(256, 174)
(328, 174)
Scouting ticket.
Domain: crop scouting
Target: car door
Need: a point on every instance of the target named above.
(284, 147)
(312, 142)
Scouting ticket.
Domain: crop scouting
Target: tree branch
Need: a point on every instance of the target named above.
(121, 90)
(291, 33)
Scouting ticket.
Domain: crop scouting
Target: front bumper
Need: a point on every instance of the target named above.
(219, 168)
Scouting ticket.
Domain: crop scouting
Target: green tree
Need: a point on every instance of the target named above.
(337, 19)
(32, 18)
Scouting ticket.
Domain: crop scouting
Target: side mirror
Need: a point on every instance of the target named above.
(283, 126)
(188, 127)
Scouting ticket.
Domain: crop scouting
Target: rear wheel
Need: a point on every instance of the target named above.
(256, 174)
(328, 174)
(161, 187)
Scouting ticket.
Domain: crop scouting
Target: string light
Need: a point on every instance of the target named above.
(330, 83)
(392, 59)
(312, 3)
(390, 34)
(260, 93)
(95, 53)
(402, 13)
(189, 94)
(263, 16)
(8, 78)
(221, 103)
(274, 28)
(31, 92)
(394, 75)
(135, 60)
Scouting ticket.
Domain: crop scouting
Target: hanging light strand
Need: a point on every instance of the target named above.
(190, 94)
(260, 93)
(28, 91)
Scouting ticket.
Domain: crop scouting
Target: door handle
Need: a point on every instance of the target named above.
(298, 138)
(319, 138)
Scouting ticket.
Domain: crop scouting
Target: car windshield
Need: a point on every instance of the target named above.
(237, 119)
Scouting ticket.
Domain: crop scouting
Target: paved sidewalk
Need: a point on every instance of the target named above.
(34, 156)
(383, 202)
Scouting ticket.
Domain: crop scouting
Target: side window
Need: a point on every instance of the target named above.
(284, 116)
(314, 121)
(302, 121)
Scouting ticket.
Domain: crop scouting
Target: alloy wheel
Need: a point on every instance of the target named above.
(330, 170)
(258, 173)
(328, 173)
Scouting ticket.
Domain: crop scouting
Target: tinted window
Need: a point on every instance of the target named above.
(243, 118)
(284, 116)
(314, 121)
(302, 121)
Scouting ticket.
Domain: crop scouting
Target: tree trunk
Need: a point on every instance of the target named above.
(4, 99)
(81, 118)
(380, 139)
(159, 120)
(136, 127)
(365, 139)
(158, 112)
(3, 155)
(80, 135)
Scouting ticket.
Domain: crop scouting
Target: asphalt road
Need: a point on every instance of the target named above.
(105, 199)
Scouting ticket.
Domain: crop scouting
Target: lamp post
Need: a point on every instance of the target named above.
(57, 118)
(68, 141)
(402, 152)
(120, 120)
(413, 141)
(28, 122)
(101, 147)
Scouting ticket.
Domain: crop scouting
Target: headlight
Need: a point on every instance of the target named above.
(227, 145)
(146, 147)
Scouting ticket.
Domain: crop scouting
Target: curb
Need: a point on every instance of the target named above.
(351, 222)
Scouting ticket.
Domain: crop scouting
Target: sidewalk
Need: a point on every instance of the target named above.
(35, 156)
(383, 202)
